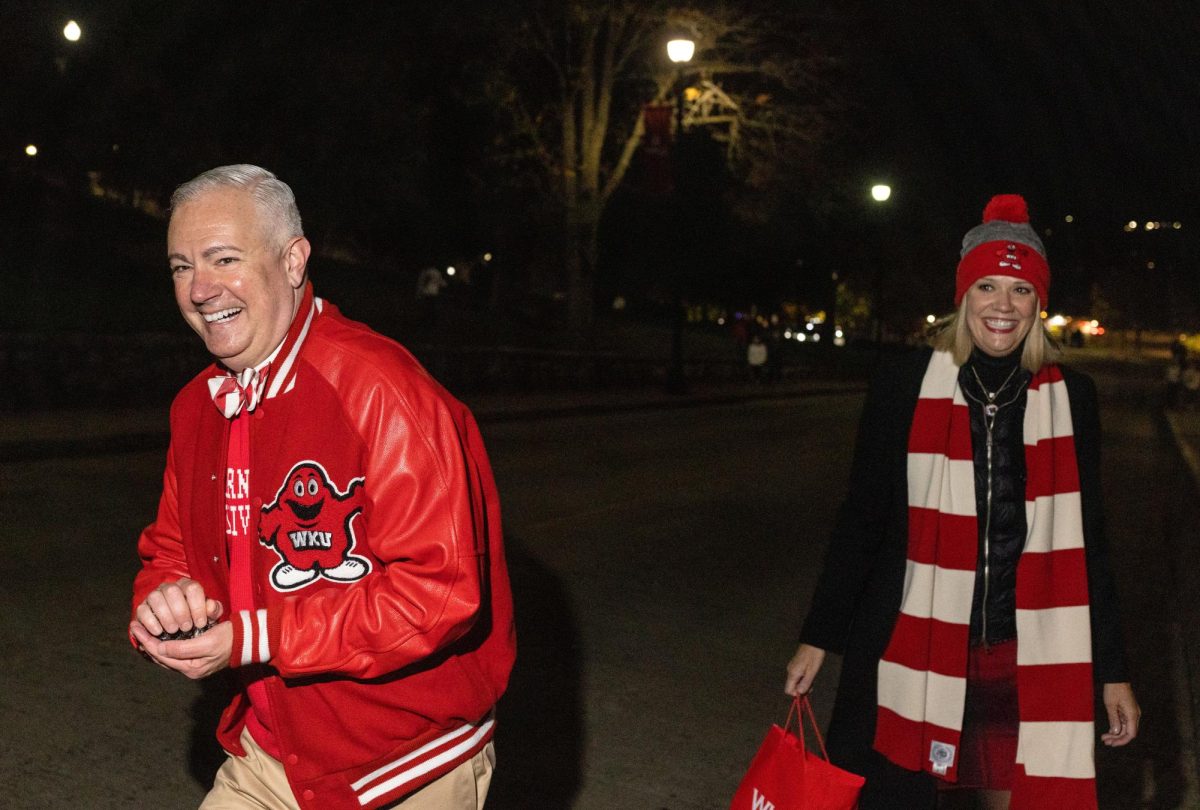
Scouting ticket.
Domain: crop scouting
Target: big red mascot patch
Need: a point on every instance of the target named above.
(310, 526)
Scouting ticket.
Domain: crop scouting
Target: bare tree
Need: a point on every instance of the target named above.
(579, 73)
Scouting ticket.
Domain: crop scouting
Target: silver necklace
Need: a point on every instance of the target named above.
(990, 407)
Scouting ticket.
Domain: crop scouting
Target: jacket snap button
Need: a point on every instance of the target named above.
(308, 794)
(292, 760)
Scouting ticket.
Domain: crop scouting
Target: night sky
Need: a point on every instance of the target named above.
(1089, 109)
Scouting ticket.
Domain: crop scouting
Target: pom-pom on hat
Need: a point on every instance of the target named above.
(1003, 245)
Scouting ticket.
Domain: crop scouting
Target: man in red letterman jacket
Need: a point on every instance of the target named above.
(329, 528)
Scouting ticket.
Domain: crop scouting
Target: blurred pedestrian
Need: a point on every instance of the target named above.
(1179, 352)
(1190, 378)
(756, 359)
(969, 558)
(1174, 378)
(328, 528)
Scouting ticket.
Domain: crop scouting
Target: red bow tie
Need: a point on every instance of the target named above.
(230, 394)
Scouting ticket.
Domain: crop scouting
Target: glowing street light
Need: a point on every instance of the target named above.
(72, 31)
(881, 192)
(681, 50)
(31, 150)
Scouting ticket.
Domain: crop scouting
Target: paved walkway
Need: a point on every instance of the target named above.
(1184, 643)
(89, 431)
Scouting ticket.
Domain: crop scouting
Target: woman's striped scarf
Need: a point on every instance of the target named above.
(922, 675)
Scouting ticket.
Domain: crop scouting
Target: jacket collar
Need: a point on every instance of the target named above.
(283, 373)
(281, 376)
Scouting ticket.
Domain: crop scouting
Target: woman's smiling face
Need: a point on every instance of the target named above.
(1000, 312)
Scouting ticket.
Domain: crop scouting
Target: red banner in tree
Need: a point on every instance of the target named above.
(655, 150)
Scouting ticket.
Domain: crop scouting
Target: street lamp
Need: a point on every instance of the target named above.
(72, 32)
(680, 51)
(880, 193)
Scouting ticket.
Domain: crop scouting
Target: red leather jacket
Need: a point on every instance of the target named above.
(382, 672)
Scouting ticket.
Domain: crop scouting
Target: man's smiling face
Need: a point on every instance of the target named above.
(236, 284)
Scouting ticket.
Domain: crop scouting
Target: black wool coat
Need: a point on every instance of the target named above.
(858, 594)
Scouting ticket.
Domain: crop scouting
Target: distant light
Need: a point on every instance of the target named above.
(1095, 323)
(1058, 320)
(1069, 218)
(930, 318)
(487, 257)
(881, 192)
(1150, 265)
(787, 334)
(816, 338)
(1049, 232)
(1044, 314)
(800, 336)
(31, 150)
(450, 271)
(720, 321)
(681, 50)
(837, 333)
(809, 326)
(1131, 225)
(72, 31)
(1150, 225)
(1177, 225)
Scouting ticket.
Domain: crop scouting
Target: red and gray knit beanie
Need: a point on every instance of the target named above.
(1003, 245)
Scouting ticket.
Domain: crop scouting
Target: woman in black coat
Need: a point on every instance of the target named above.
(967, 570)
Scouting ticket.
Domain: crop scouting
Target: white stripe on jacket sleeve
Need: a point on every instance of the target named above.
(256, 646)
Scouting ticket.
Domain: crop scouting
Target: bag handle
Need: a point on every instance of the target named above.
(800, 705)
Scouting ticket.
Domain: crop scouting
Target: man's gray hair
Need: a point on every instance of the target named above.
(274, 198)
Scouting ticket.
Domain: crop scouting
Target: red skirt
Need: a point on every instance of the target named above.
(988, 746)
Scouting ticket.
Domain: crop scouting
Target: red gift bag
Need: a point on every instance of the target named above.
(786, 776)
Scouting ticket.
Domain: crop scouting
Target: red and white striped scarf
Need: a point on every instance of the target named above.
(922, 675)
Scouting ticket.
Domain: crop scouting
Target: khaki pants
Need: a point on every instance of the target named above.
(256, 781)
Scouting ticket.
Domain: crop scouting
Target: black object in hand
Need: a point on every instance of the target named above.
(182, 634)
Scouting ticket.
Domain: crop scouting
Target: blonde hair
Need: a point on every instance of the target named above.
(950, 334)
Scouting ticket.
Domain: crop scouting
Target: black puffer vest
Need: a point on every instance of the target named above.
(1001, 512)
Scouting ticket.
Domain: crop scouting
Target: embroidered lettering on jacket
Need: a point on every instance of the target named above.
(310, 526)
